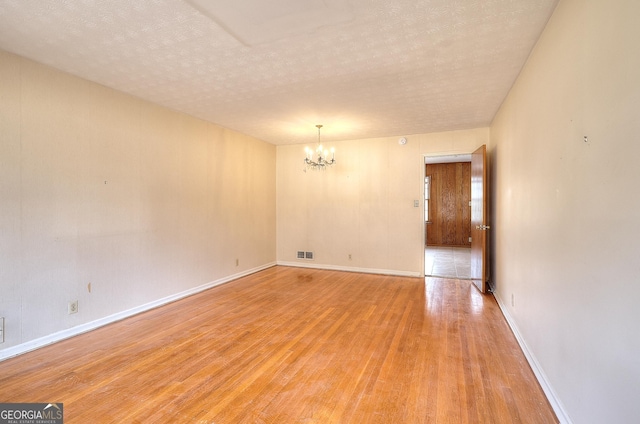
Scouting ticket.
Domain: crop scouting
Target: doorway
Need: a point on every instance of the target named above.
(447, 216)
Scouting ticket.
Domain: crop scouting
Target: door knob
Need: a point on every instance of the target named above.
(482, 227)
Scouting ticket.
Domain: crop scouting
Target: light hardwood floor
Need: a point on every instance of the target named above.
(292, 345)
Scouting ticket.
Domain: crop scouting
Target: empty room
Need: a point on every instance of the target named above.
(214, 211)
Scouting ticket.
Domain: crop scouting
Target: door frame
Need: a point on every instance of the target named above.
(441, 157)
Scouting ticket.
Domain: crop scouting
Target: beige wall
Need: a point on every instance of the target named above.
(566, 211)
(102, 188)
(364, 205)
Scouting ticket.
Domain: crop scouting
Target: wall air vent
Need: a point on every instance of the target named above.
(300, 254)
(308, 255)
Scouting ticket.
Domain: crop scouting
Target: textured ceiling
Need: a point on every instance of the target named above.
(273, 69)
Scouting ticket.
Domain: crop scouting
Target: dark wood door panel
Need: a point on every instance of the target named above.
(449, 211)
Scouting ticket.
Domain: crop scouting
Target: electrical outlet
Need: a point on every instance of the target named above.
(73, 307)
(2, 330)
(349, 256)
(513, 302)
(237, 262)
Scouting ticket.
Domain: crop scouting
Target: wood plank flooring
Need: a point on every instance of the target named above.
(293, 345)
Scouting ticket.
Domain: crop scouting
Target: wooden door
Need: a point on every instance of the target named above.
(479, 225)
(449, 222)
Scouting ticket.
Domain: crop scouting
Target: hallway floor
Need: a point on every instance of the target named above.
(449, 262)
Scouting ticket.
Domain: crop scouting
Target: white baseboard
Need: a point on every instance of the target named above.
(557, 406)
(350, 269)
(83, 328)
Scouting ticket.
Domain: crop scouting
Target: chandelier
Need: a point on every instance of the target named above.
(321, 161)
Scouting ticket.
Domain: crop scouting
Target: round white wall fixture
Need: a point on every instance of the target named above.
(403, 140)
